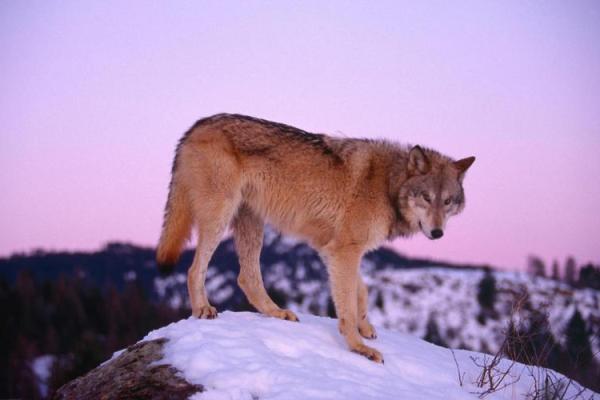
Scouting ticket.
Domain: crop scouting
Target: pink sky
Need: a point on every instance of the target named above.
(94, 96)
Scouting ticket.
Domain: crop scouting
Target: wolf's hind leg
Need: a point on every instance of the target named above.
(210, 232)
(365, 328)
(248, 233)
(213, 211)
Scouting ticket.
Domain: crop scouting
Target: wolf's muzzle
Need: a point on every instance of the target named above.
(437, 233)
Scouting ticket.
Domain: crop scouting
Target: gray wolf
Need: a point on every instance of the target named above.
(342, 196)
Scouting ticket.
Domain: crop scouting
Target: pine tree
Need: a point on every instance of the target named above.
(486, 295)
(536, 266)
(578, 343)
(432, 333)
(533, 343)
(589, 276)
(570, 268)
(555, 271)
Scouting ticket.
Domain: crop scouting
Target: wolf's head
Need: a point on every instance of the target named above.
(433, 191)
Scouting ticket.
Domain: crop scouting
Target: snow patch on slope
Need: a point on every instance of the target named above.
(248, 356)
(411, 298)
(42, 367)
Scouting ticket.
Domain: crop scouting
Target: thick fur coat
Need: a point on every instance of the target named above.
(343, 196)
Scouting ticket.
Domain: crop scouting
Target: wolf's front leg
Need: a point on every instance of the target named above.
(343, 272)
(364, 326)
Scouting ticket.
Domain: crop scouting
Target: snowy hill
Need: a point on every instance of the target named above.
(248, 356)
(410, 301)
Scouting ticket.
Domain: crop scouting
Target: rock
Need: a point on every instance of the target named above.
(130, 375)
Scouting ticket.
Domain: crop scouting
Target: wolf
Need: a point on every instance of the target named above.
(343, 196)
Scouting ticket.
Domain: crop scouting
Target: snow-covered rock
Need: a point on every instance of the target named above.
(131, 373)
(248, 356)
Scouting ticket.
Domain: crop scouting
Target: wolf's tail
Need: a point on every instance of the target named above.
(177, 224)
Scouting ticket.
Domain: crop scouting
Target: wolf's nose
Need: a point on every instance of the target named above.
(437, 233)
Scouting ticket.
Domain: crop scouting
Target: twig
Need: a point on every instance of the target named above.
(460, 377)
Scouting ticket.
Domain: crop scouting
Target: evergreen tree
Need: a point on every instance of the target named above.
(22, 381)
(432, 333)
(533, 343)
(536, 266)
(578, 343)
(570, 267)
(589, 276)
(486, 294)
(555, 271)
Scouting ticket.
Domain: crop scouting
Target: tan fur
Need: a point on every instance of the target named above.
(343, 196)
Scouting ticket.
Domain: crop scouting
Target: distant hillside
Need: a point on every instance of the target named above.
(468, 307)
(408, 295)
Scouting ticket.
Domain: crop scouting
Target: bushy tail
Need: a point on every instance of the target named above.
(177, 226)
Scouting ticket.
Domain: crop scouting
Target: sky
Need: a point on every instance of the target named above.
(95, 95)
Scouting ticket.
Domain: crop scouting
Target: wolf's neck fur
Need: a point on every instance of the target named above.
(397, 156)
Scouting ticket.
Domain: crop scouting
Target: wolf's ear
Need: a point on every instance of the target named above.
(418, 163)
(463, 165)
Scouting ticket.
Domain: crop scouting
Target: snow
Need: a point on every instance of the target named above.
(163, 284)
(249, 356)
(41, 367)
(130, 276)
(412, 297)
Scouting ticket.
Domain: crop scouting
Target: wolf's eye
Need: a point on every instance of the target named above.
(448, 201)
(426, 197)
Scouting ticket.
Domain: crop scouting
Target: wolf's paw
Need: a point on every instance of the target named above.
(284, 314)
(366, 330)
(205, 312)
(368, 352)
